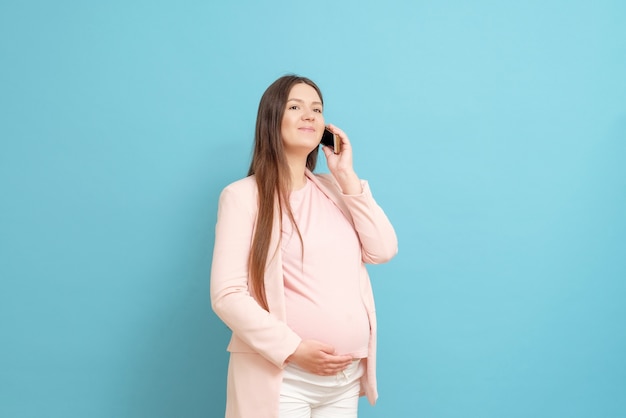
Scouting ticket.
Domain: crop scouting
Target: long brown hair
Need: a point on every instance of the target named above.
(269, 165)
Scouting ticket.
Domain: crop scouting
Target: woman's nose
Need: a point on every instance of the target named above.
(308, 114)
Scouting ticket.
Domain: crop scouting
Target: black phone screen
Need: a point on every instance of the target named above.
(328, 138)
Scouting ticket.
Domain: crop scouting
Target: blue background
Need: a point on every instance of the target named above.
(493, 134)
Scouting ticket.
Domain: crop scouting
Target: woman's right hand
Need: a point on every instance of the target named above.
(319, 358)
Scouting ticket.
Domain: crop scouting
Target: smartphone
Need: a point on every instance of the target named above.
(331, 140)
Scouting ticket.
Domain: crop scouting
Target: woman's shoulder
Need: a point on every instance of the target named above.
(243, 188)
(243, 184)
(238, 200)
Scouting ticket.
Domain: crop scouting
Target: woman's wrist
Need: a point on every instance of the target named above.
(349, 182)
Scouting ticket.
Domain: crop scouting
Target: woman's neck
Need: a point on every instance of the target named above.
(297, 167)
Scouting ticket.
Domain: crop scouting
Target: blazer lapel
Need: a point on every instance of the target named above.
(326, 183)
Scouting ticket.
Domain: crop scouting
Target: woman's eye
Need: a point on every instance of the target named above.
(317, 110)
(294, 107)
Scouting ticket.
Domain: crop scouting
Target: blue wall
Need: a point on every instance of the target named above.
(493, 133)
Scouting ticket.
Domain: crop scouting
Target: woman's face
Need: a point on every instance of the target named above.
(303, 122)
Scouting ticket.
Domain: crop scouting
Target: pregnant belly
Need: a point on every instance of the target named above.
(347, 330)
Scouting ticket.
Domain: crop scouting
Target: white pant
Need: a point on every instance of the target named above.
(306, 395)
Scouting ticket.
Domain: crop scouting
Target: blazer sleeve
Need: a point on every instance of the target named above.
(379, 242)
(230, 297)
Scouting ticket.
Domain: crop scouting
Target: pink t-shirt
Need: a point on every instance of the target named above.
(322, 289)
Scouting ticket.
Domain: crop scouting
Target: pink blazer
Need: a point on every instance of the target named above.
(261, 340)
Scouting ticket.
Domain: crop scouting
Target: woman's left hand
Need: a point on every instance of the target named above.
(340, 165)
